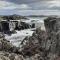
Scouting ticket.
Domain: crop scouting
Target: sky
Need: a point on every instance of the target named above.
(30, 7)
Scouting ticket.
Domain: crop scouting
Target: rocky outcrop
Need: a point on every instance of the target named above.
(10, 56)
(35, 45)
(5, 45)
(8, 51)
(53, 30)
(42, 45)
(45, 43)
(52, 25)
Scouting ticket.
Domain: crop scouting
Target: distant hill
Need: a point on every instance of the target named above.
(18, 17)
(12, 17)
(37, 16)
(41, 15)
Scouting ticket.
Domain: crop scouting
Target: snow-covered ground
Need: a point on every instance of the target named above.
(16, 38)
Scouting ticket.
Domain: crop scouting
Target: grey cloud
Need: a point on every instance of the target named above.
(21, 1)
(25, 1)
(33, 7)
(34, 4)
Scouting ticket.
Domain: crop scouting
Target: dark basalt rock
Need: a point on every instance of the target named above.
(46, 43)
(52, 25)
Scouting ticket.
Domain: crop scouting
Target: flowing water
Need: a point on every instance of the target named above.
(16, 38)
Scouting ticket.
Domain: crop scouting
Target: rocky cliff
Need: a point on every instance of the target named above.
(42, 45)
(45, 43)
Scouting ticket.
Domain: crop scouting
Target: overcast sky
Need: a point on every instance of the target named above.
(29, 7)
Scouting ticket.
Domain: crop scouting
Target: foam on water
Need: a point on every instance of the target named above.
(16, 38)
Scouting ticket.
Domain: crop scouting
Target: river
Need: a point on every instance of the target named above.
(16, 38)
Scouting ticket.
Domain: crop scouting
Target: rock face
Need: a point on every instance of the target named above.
(52, 25)
(4, 44)
(42, 45)
(35, 45)
(10, 56)
(8, 51)
(45, 43)
(53, 30)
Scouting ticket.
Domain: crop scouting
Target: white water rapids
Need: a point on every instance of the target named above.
(16, 38)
